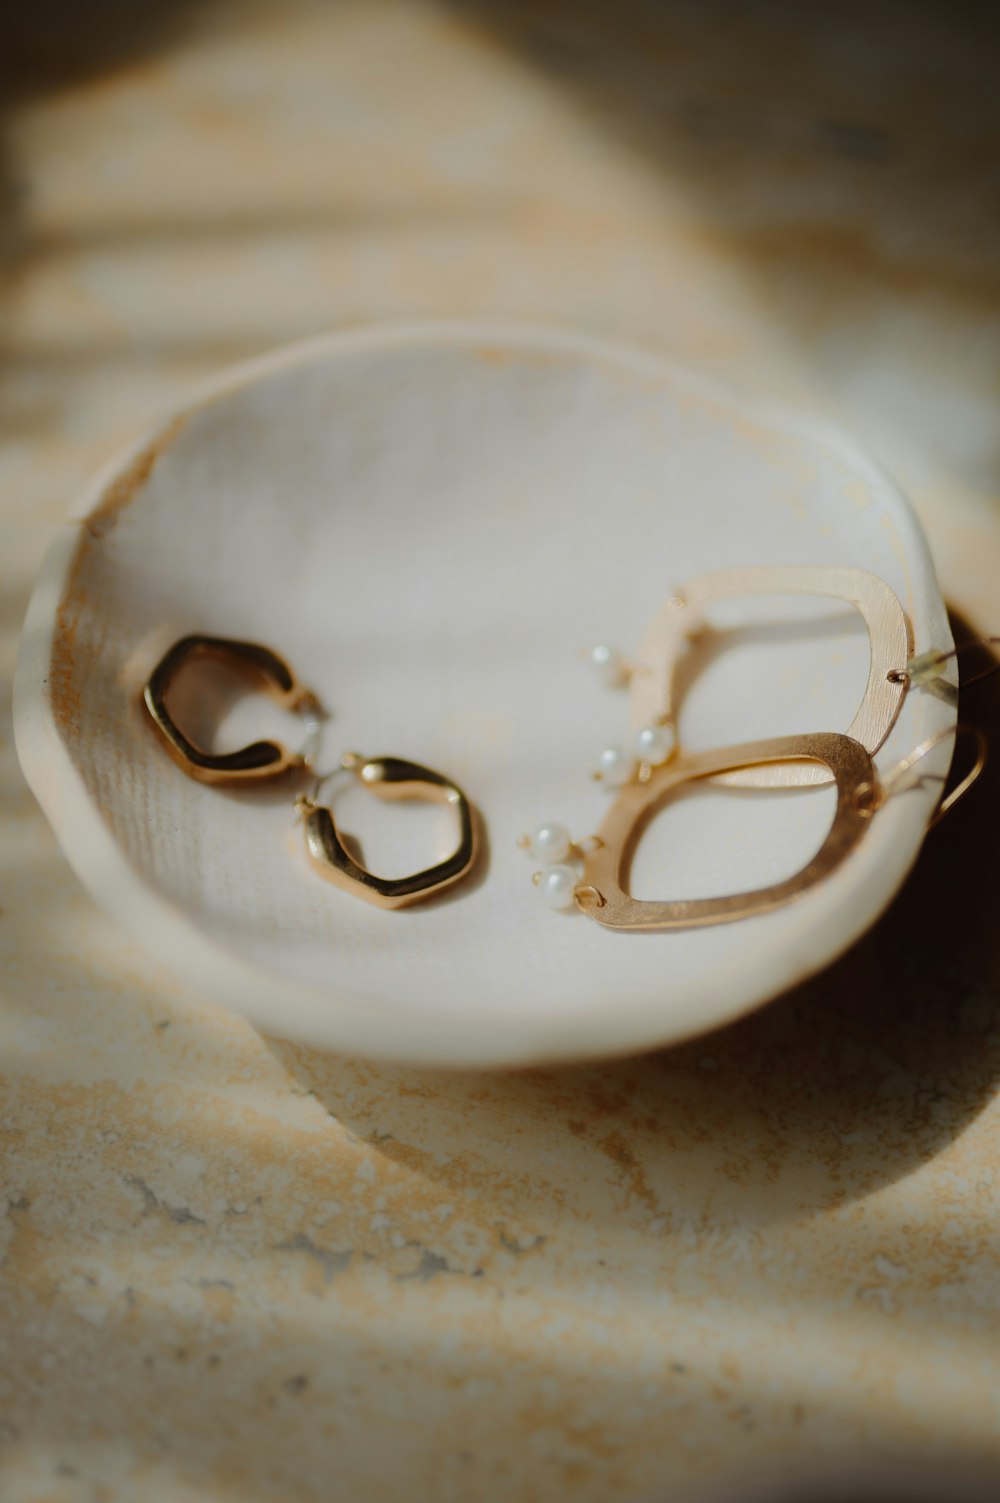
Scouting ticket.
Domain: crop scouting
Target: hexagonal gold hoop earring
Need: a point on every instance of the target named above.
(602, 893)
(261, 759)
(389, 778)
(652, 698)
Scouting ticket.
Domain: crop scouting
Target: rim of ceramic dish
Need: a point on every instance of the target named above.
(278, 1004)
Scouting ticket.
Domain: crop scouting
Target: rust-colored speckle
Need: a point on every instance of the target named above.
(406, 1154)
(738, 1168)
(503, 355)
(64, 687)
(64, 677)
(124, 487)
(620, 1152)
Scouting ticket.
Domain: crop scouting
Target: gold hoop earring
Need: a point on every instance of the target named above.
(388, 778)
(253, 763)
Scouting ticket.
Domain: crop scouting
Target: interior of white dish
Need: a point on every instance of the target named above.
(432, 526)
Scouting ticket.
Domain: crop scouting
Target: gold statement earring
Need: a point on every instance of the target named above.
(592, 875)
(653, 707)
(892, 673)
(261, 759)
(388, 778)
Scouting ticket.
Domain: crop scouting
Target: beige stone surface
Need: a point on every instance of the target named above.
(237, 1269)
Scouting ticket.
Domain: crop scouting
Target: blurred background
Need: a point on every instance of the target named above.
(804, 196)
(801, 198)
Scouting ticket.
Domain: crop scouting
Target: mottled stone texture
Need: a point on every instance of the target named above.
(233, 1269)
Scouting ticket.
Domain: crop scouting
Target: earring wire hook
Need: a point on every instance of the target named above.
(892, 781)
(909, 673)
(349, 762)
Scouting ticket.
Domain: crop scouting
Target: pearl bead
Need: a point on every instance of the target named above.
(616, 766)
(557, 886)
(655, 744)
(549, 843)
(609, 665)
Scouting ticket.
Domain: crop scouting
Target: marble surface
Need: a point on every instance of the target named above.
(233, 1268)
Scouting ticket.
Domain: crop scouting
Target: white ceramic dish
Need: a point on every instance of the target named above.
(430, 523)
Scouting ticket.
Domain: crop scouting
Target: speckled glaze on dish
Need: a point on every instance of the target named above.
(429, 522)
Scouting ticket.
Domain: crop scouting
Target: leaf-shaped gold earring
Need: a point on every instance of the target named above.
(889, 638)
(602, 892)
(592, 874)
(389, 778)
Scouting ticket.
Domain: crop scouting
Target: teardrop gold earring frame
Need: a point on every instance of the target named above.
(388, 778)
(602, 893)
(890, 639)
(261, 759)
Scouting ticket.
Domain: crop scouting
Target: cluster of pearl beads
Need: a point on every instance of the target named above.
(652, 746)
(550, 844)
(553, 847)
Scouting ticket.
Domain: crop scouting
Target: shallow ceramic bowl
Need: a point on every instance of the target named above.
(430, 523)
